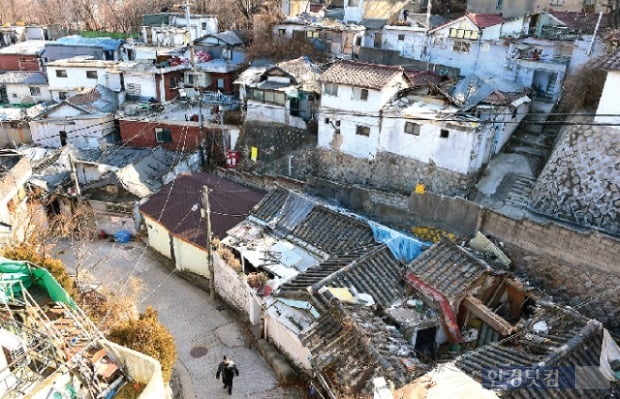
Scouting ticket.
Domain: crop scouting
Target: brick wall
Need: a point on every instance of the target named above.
(9, 62)
(142, 134)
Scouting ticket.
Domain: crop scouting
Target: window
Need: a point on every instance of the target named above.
(266, 96)
(557, 2)
(220, 83)
(330, 89)
(204, 26)
(359, 94)
(354, 3)
(14, 95)
(499, 5)
(62, 95)
(401, 38)
(439, 42)
(358, 41)
(464, 34)
(63, 137)
(163, 135)
(327, 121)
(91, 74)
(227, 54)
(443, 133)
(311, 34)
(281, 32)
(61, 73)
(461, 46)
(35, 91)
(514, 113)
(412, 128)
(362, 130)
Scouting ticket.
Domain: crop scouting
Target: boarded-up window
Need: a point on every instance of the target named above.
(134, 89)
(163, 135)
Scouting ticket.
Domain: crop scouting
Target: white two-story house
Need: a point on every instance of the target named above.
(353, 94)
(71, 76)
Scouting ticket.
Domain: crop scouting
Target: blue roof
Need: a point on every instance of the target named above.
(107, 43)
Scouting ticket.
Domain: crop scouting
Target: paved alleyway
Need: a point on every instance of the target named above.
(194, 320)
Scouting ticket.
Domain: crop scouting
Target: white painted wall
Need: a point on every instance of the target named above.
(234, 289)
(287, 342)
(20, 94)
(580, 55)
(189, 258)
(347, 140)
(609, 103)
(266, 112)
(159, 238)
(453, 153)
(413, 44)
(353, 13)
(146, 82)
(83, 131)
(76, 77)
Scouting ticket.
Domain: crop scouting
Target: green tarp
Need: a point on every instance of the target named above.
(13, 272)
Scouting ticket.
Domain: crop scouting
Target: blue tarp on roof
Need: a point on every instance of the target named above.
(107, 43)
(402, 246)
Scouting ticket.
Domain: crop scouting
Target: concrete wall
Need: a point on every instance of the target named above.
(190, 258)
(345, 138)
(140, 86)
(110, 222)
(20, 94)
(232, 287)
(288, 343)
(273, 140)
(159, 238)
(15, 132)
(140, 368)
(412, 45)
(266, 112)
(82, 132)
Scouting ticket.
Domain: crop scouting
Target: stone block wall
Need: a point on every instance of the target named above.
(273, 140)
(581, 181)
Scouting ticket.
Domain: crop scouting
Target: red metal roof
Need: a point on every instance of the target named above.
(177, 206)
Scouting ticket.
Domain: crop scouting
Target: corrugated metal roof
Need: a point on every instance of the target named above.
(177, 205)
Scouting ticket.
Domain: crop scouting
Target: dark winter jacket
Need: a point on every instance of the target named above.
(228, 371)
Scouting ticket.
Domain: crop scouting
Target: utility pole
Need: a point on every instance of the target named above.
(206, 213)
(76, 182)
(429, 6)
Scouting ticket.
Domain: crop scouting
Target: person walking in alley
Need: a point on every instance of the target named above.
(228, 370)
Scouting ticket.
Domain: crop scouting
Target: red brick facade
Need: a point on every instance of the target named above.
(16, 62)
(171, 85)
(177, 137)
(228, 78)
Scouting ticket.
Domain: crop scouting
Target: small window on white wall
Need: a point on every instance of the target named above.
(362, 130)
(359, 94)
(330, 89)
(444, 134)
(412, 128)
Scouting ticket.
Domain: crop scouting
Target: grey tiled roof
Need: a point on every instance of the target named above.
(26, 78)
(327, 230)
(571, 341)
(350, 346)
(448, 268)
(608, 62)
(360, 74)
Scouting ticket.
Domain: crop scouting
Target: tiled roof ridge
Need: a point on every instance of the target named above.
(317, 286)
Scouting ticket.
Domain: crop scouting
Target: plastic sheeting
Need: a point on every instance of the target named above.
(403, 247)
(14, 272)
